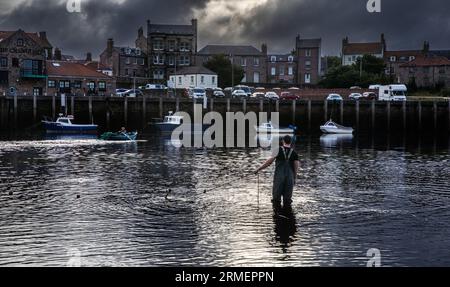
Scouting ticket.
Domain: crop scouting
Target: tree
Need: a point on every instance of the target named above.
(371, 65)
(221, 65)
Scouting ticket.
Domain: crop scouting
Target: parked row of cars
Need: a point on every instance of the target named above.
(353, 96)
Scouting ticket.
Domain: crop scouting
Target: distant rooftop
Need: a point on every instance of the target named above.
(308, 43)
(237, 50)
(195, 70)
(71, 69)
(171, 29)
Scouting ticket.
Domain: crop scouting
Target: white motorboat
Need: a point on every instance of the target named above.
(331, 127)
(266, 128)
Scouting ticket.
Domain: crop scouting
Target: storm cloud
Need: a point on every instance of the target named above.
(406, 23)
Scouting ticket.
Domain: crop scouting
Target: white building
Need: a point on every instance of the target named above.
(352, 51)
(193, 77)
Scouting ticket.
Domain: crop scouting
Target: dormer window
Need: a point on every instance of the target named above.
(393, 59)
(290, 59)
(273, 59)
(412, 58)
(20, 42)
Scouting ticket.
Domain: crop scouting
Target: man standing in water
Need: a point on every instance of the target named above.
(286, 168)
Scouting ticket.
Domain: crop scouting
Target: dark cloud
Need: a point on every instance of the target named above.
(406, 23)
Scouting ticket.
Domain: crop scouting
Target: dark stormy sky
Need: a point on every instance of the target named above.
(406, 23)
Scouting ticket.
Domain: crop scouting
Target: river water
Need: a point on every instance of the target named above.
(91, 203)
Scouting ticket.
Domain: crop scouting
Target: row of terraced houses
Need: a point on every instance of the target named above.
(30, 65)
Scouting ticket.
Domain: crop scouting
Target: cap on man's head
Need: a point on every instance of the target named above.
(287, 139)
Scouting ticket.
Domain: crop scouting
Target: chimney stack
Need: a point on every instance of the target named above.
(89, 57)
(110, 47)
(264, 49)
(43, 35)
(58, 55)
(141, 32)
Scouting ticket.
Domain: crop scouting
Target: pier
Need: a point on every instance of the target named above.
(112, 112)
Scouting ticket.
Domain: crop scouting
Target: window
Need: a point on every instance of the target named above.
(185, 47)
(308, 53)
(171, 45)
(4, 62)
(349, 59)
(158, 45)
(255, 61)
(192, 80)
(134, 73)
(128, 61)
(4, 78)
(184, 60)
(441, 70)
(290, 59)
(256, 77)
(15, 62)
(126, 72)
(158, 74)
(393, 58)
(308, 64)
(307, 78)
(273, 71)
(135, 61)
(180, 80)
(20, 42)
(141, 61)
(273, 59)
(171, 61)
(77, 84)
(244, 79)
(91, 86)
(202, 79)
(158, 59)
(412, 58)
(32, 67)
(290, 71)
(243, 62)
(51, 84)
(37, 91)
(282, 71)
(213, 80)
(102, 86)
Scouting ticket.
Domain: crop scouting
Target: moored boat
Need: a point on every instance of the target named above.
(266, 128)
(171, 122)
(331, 127)
(64, 125)
(119, 136)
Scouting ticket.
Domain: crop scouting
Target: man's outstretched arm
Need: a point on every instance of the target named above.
(266, 164)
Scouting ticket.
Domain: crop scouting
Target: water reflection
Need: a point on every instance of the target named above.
(285, 226)
(335, 140)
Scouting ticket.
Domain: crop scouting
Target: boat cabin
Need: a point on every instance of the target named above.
(65, 120)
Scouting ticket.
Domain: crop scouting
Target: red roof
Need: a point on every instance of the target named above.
(428, 61)
(362, 48)
(71, 69)
(35, 36)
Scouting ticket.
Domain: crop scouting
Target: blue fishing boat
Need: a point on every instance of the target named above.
(120, 136)
(64, 125)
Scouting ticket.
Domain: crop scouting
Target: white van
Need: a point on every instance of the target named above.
(392, 93)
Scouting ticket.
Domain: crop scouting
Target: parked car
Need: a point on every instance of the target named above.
(355, 88)
(355, 96)
(228, 89)
(197, 93)
(133, 93)
(239, 94)
(374, 87)
(272, 96)
(155, 87)
(120, 92)
(260, 88)
(288, 96)
(370, 96)
(246, 89)
(218, 94)
(258, 95)
(334, 97)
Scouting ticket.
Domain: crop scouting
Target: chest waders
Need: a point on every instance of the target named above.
(283, 184)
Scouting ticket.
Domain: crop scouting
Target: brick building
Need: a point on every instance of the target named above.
(72, 78)
(22, 62)
(426, 71)
(309, 58)
(127, 65)
(168, 48)
(281, 69)
(252, 60)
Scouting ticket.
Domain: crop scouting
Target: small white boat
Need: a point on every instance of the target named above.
(266, 128)
(331, 127)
